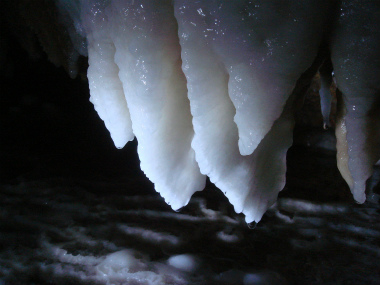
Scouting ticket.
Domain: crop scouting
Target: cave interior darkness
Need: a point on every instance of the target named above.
(50, 134)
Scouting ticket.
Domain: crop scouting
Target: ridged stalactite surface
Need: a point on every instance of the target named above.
(208, 87)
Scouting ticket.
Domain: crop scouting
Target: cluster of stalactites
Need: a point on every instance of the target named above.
(207, 87)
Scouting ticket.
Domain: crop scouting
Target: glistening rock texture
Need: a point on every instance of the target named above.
(60, 232)
(76, 210)
(209, 88)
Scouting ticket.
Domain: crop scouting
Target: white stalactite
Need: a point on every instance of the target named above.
(206, 87)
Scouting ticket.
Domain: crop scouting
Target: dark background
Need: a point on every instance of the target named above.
(49, 128)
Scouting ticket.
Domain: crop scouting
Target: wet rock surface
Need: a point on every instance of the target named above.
(74, 210)
(63, 232)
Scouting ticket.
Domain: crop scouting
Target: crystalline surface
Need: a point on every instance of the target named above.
(237, 72)
(144, 49)
(356, 61)
(259, 49)
(206, 87)
(105, 86)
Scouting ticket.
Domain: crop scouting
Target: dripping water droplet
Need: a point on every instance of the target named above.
(178, 210)
(252, 225)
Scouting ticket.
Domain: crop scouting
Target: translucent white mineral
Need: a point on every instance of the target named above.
(356, 62)
(207, 88)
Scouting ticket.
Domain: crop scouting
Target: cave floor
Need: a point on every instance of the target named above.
(61, 231)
